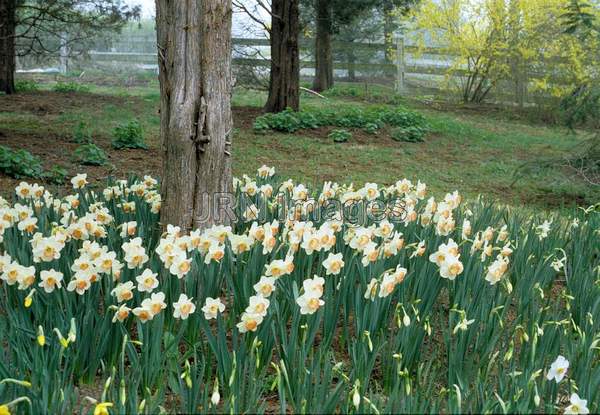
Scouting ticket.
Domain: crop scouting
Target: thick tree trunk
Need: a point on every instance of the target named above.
(323, 56)
(194, 48)
(7, 46)
(284, 81)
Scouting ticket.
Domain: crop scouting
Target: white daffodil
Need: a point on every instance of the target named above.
(265, 286)
(249, 322)
(147, 281)
(183, 307)
(577, 406)
(558, 369)
(156, 303)
(121, 313)
(388, 283)
(123, 292)
(79, 181)
(80, 283)
(451, 268)
(51, 280)
(258, 305)
(543, 230)
(309, 303)
(314, 286)
(333, 264)
(212, 307)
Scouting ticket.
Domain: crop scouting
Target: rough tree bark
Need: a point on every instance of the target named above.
(7, 45)
(194, 48)
(323, 56)
(284, 80)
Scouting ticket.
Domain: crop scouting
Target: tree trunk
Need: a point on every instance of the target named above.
(194, 48)
(351, 65)
(284, 80)
(8, 9)
(388, 31)
(323, 57)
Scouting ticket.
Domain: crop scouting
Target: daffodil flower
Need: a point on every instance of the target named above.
(102, 408)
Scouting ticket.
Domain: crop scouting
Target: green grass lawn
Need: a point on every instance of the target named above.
(471, 151)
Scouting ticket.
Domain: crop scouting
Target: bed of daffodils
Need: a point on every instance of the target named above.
(423, 305)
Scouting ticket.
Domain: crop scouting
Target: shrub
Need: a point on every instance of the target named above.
(369, 119)
(19, 163)
(372, 128)
(25, 85)
(81, 133)
(411, 134)
(66, 87)
(288, 121)
(128, 135)
(401, 117)
(90, 154)
(340, 136)
(57, 174)
(261, 125)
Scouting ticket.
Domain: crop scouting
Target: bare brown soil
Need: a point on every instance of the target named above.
(57, 149)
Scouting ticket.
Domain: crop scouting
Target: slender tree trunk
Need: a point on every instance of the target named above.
(284, 81)
(323, 56)
(388, 30)
(389, 27)
(8, 9)
(194, 48)
(351, 65)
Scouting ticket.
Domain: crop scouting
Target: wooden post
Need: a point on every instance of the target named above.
(400, 63)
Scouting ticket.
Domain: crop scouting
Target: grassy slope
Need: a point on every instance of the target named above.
(475, 153)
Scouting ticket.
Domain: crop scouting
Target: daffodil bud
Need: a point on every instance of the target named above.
(63, 342)
(356, 398)
(107, 384)
(72, 332)
(509, 353)
(406, 320)
(123, 393)
(232, 376)
(215, 397)
(41, 339)
(369, 342)
(29, 299)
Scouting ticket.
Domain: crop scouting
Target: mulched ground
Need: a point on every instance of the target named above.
(57, 148)
(52, 103)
